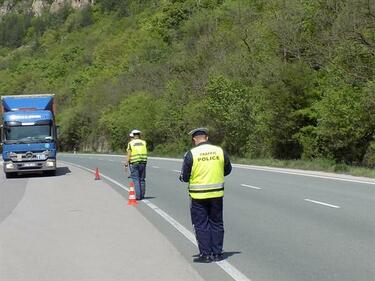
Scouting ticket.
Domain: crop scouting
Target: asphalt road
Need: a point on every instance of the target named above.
(280, 225)
(72, 228)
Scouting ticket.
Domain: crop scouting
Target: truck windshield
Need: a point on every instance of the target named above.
(28, 134)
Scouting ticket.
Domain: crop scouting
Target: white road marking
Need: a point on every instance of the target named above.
(225, 265)
(296, 172)
(156, 167)
(302, 173)
(110, 160)
(177, 171)
(251, 186)
(322, 203)
(102, 175)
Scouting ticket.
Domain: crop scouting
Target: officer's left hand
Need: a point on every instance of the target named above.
(180, 178)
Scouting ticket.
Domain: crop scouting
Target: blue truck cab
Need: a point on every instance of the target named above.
(28, 134)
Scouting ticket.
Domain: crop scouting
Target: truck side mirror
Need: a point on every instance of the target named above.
(1, 137)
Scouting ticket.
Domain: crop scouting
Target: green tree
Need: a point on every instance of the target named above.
(13, 28)
(229, 112)
(343, 130)
(139, 111)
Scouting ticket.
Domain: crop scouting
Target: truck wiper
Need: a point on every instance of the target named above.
(22, 142)
(10, 141)
(43, 140)
(29, 140)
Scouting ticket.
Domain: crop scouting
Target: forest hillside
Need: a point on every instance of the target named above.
(270, 79)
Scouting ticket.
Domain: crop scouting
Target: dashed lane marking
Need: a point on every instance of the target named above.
(265, 169)
(251, 186)
(303, 174)
(322, 203)
(155, 167)
(260, 168)
(224, 265)
(177, 171)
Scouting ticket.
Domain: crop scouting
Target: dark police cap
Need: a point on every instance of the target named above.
(199, 132)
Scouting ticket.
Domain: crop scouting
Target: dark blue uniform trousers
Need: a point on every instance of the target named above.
(207, 219)
(138, 175)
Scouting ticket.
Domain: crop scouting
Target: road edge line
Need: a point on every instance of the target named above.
(224, 265)
(297, 172)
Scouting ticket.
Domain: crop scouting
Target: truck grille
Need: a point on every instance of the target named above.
(29, 156)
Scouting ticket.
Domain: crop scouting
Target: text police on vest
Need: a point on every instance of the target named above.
(208, 158)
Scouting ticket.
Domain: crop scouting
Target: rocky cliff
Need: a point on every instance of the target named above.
(37, 7)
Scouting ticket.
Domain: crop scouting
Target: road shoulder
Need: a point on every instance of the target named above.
(71, 227)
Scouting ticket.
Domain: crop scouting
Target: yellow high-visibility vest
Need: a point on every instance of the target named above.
(138, 150)
(207, 173)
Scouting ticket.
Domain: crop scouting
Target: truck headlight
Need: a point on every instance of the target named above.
(9, 166)
(50, 163)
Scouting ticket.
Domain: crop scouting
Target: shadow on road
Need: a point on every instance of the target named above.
(225, 254)
(61, 171)
(149, 197)
(229, 254)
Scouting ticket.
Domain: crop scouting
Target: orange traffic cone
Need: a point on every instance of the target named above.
(132, 199)
(97, 176)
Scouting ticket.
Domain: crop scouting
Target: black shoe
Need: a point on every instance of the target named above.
(218, 257)
(203, 259)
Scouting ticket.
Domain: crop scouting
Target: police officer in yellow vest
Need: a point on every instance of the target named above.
(137, 160)
(204, 168)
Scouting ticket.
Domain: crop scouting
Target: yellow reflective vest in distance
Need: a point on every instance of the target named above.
(207, 173)
(138, 150)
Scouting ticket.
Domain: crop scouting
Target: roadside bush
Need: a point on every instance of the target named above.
(369, 158)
